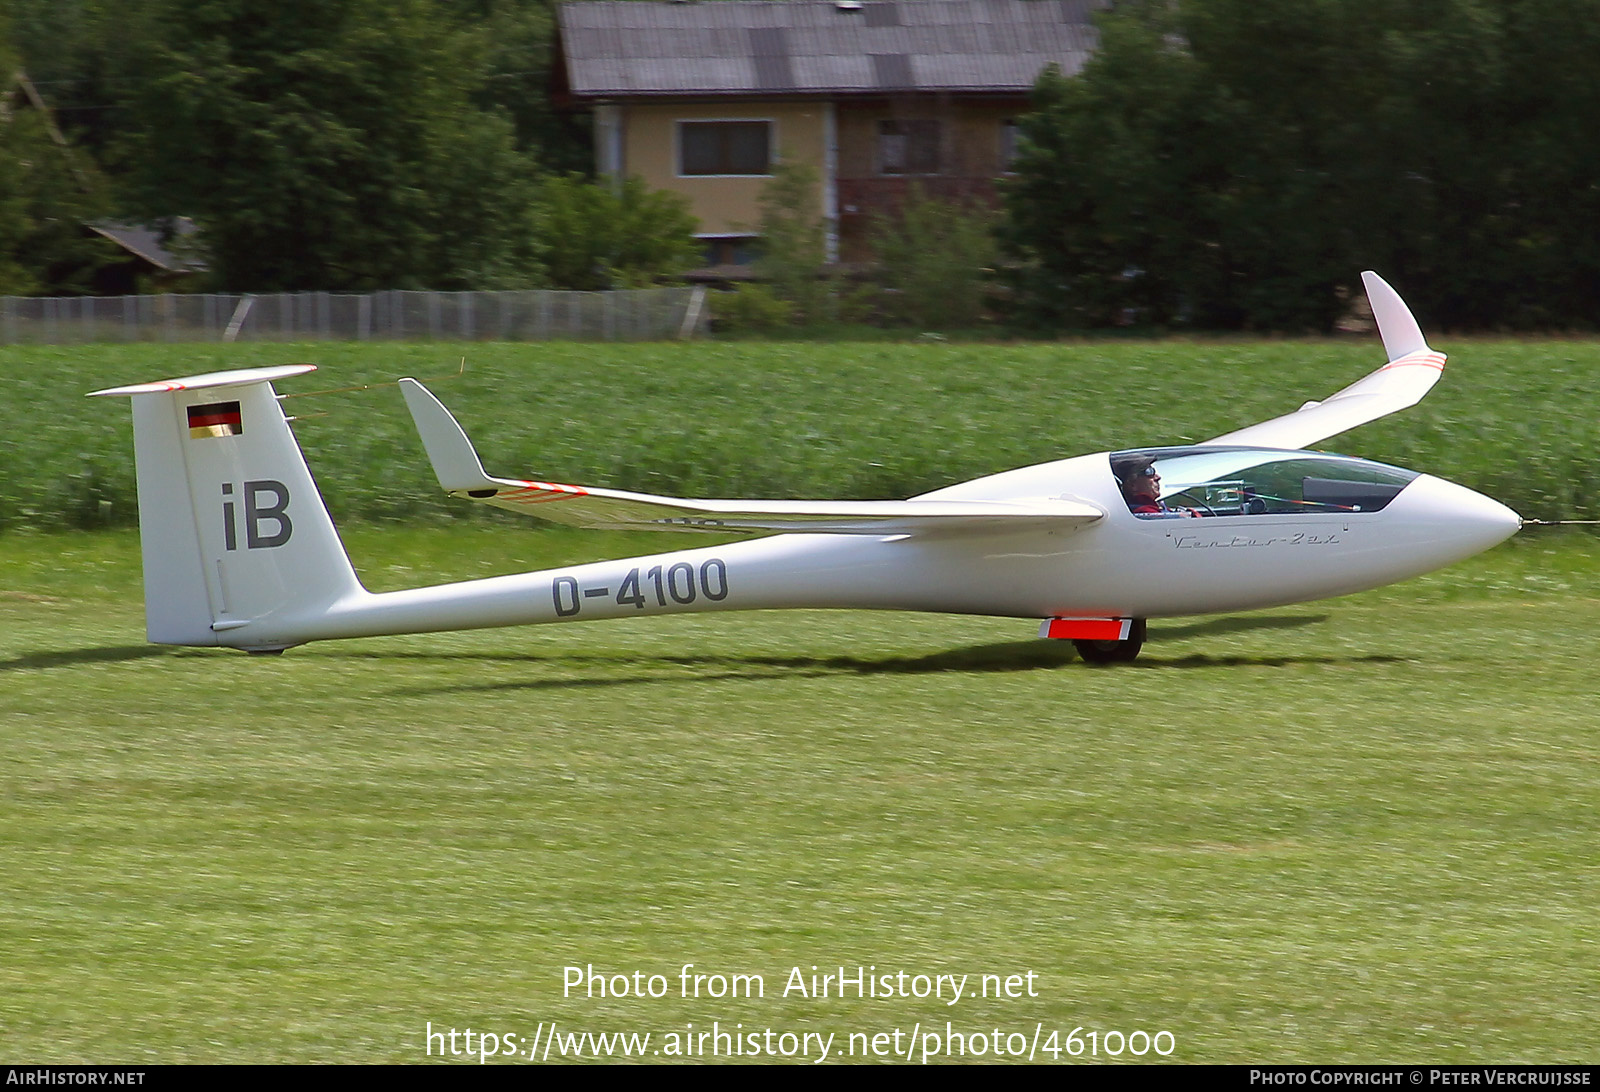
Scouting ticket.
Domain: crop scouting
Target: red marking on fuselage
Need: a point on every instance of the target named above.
(1086, 629)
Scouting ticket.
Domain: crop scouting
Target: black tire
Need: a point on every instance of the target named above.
(1101, 653)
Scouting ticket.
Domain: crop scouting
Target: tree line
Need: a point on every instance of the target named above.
(350, 146)
(1234, 164)
(1219, 164)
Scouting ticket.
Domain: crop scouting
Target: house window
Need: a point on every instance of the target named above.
(730, 249)
(909, 147)
(1010, 134)
(725, 147)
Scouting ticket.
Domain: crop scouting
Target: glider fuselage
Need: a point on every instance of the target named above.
(1120, 566)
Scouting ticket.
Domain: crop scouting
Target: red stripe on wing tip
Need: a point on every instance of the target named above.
(538, 492)
(1426, 360)
(541, 498)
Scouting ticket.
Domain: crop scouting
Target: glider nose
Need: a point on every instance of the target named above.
(1458, 518)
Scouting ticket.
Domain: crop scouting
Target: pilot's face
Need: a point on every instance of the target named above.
(1145, 483)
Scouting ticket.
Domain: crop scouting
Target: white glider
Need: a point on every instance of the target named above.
(239, 550)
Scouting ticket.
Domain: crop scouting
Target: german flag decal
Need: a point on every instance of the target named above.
(216, 419)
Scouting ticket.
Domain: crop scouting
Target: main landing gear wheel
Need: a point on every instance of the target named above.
(1113, 652)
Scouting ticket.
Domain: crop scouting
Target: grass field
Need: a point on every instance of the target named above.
(1364, 830)
(1515, 420)
(1355, 831)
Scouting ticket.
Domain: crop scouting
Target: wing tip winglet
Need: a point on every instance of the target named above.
(1396, 324)
(1412, 369)
(455, 461)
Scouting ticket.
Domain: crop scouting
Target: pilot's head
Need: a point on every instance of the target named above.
(1137, 476)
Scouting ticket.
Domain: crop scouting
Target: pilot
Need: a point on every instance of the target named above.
(1141, 488)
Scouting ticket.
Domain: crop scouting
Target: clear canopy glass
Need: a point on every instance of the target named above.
(1169, 482)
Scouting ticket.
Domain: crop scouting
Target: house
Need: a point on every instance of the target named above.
(161, 257)
(878, 96)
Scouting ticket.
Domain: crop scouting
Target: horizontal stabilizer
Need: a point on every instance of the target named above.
(459, 470)
(238, 378)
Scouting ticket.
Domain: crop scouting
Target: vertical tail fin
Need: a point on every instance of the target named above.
(231, 525)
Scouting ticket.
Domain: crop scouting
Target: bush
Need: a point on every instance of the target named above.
(794, 251)
(751, 308)
(597, 237)
(935, 258)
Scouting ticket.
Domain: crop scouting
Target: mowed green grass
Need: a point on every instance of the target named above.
(1363, 830)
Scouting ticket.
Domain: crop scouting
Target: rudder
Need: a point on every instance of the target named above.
(232, 528)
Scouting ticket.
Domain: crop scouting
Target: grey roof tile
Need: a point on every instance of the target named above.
(630, 47)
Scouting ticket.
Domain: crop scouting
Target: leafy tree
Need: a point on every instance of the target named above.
(45, 204)
(86, 57)
(15, 278)
(1235, 163)
(1096, 212)
(48, 192)
(333, 146)
(935, 258)
(794, 247)
(518, 38)
(600, 235)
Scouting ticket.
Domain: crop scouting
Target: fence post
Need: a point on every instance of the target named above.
(691, 315)
(241, 310)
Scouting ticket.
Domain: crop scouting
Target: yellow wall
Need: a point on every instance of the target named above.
(724, 206)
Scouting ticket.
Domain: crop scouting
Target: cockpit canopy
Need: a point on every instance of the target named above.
(1163, 482)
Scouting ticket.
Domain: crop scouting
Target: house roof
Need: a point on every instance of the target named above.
(151, 244)
(630, 48)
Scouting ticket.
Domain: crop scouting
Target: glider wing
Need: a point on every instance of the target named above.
(460, 472)
(1411, 372)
